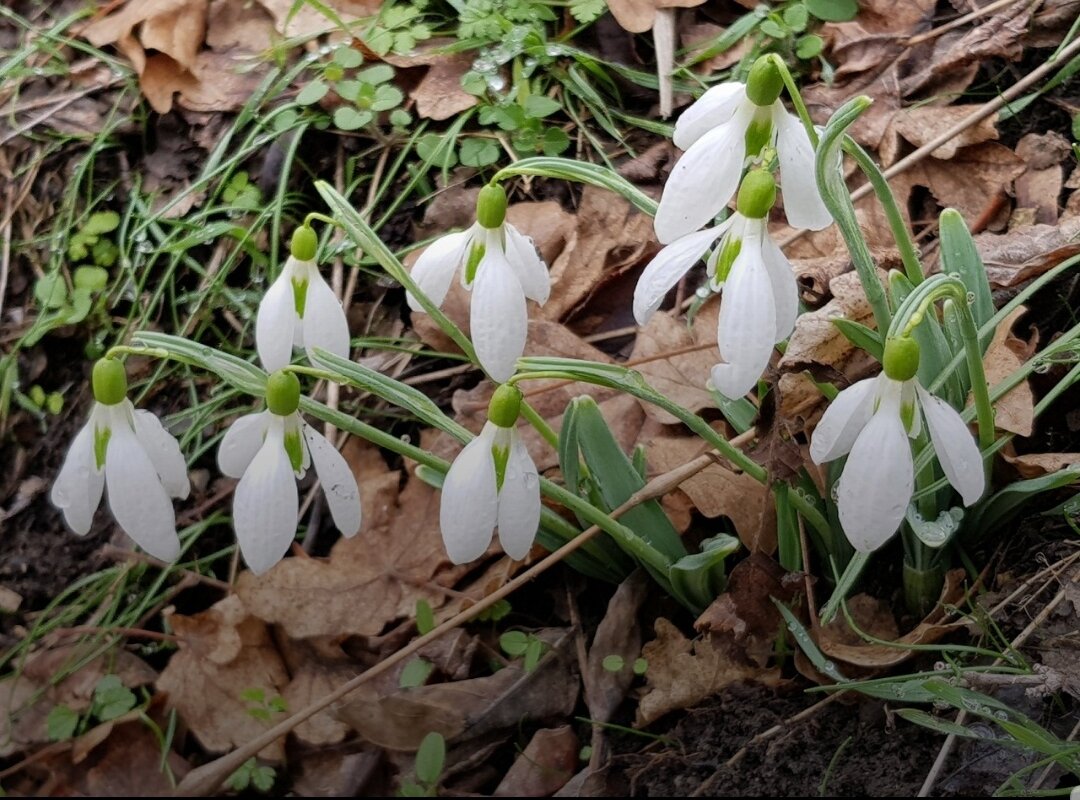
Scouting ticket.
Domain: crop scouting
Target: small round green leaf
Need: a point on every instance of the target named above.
(809, 46)
(312, 93)
(50, 291)
(613, 663)
(347, 118)
(348, 57)
(430, 757)
(514, 643)
(833, 10)
(92, 279)
(479, 152)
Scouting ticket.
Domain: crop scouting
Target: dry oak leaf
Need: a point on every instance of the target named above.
(618, 634)
(836, 643)
(1033, 465)
(316, 667)
(922, 124)
(637, 16)
(248, 26)
(439, 95)
(682, 672)
(27, 697)
(544, 766)
(367, 581)
(1040, 185)
(467, 709)
(1027, 252)
(680, 377)
(224, 652)
(717, 490)
(1015, 412)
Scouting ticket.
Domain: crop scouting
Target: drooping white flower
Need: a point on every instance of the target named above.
(493, 482)
(501, 267)
(760, 297)
(300, 309)
(130, 452)
(268, 451)
(871, 422)
(713, 133)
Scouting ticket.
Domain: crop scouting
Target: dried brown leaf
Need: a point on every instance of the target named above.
(439, 95)
(680, 377)
(618, 634)
(544, 766)
(467, 709)
(682, 672)
(637, 16)
(1015, 412)
(1027, 252)
(1032, 465)
(878, 656)
(224, 652)
(367, 582)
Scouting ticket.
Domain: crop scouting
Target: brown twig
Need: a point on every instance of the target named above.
(207, 779)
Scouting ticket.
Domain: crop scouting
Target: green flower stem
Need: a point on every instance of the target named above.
(569, 170)
(953, 291)
(321, 218)
(632, 383)
(796, 97)
(533, 417)
(908, 255)
(364, 237)
(834, 193)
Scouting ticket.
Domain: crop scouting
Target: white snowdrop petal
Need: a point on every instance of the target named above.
(668, 267)
(76, 491)
(877, 482)
(338, 483)
(530, 269)
(469, 508)
(519, 501)
(325, 325)
(136, 497)
(275, 323)
(703, 180)
(713, 108)
(498, 318)
(266, 504)
(435, 268)
(798, 173)
(955, 447)
(747, 323)
(241, 442)
(843, 421)
(164, 452)
(784, 287)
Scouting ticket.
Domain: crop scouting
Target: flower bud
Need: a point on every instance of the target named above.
(901, 359)
(304, 244)
(757, 194)
(491, 206)
(764, 84)
(109, 382)
(505, 406)
(282, 393)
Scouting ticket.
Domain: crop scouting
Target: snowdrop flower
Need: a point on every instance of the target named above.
(268, 451)
(871, 422)
(761, 298)
(493, 482)
(501, 267)
(129, 451)
(300, 309)
(725, 125)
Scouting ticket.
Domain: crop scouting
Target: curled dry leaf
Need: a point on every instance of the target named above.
(676, 361)
(367, 582)
(1027, 252)
(467, 709)
(1032, 465)
(224, 652)
(1015, 412)
(836, 642)
(682, 672)
(1040, 185)
(618, 634)
(745, 614)
(544, 766)
(922, 124)
(27, 697)
(717, 490)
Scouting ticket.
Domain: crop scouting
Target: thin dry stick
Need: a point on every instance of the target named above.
(950, 740)
(956, 23)
(208, 778)
(969, 121)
